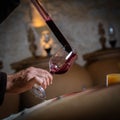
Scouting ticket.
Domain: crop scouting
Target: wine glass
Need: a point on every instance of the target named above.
(39, 92)
(59, 63)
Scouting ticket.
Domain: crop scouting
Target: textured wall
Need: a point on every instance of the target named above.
(13, 40)
(77, 19)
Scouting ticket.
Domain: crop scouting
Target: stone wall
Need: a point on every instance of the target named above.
(77, 19)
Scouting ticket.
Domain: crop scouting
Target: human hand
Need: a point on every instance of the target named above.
(26, 79)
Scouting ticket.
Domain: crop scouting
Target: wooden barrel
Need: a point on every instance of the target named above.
(96, 103)
(76, 79)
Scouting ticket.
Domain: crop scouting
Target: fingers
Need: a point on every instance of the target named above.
(42, 81)
(45, 76)
(39, 76)
(25, 79)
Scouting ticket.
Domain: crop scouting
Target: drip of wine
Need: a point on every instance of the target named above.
(52, 25)
(60, 65)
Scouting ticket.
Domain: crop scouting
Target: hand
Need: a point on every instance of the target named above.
(25, 80)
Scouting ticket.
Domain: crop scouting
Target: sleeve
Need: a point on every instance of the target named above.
(6, 7)
(3, 82)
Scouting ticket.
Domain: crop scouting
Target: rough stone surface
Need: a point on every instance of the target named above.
(77, 19)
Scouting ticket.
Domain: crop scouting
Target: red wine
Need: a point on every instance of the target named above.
(59, 35)
(52, 25)
(57, 69)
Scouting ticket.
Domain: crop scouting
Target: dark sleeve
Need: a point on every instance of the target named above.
(6, 7)
(3, 82)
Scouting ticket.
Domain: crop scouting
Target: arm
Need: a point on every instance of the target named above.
(24, 80)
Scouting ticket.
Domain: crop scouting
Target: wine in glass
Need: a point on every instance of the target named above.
(59, 63)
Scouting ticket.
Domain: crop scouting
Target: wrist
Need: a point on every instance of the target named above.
(9, 83)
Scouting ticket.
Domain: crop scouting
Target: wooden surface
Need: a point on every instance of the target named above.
(93, 104)
(38, 61)
(102, 54)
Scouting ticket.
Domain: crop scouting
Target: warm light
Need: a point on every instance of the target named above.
(37, 20)
(113, 79)
(46, 41)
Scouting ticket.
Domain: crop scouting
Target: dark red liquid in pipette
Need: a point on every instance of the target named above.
(59, 35)
(52, 25)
